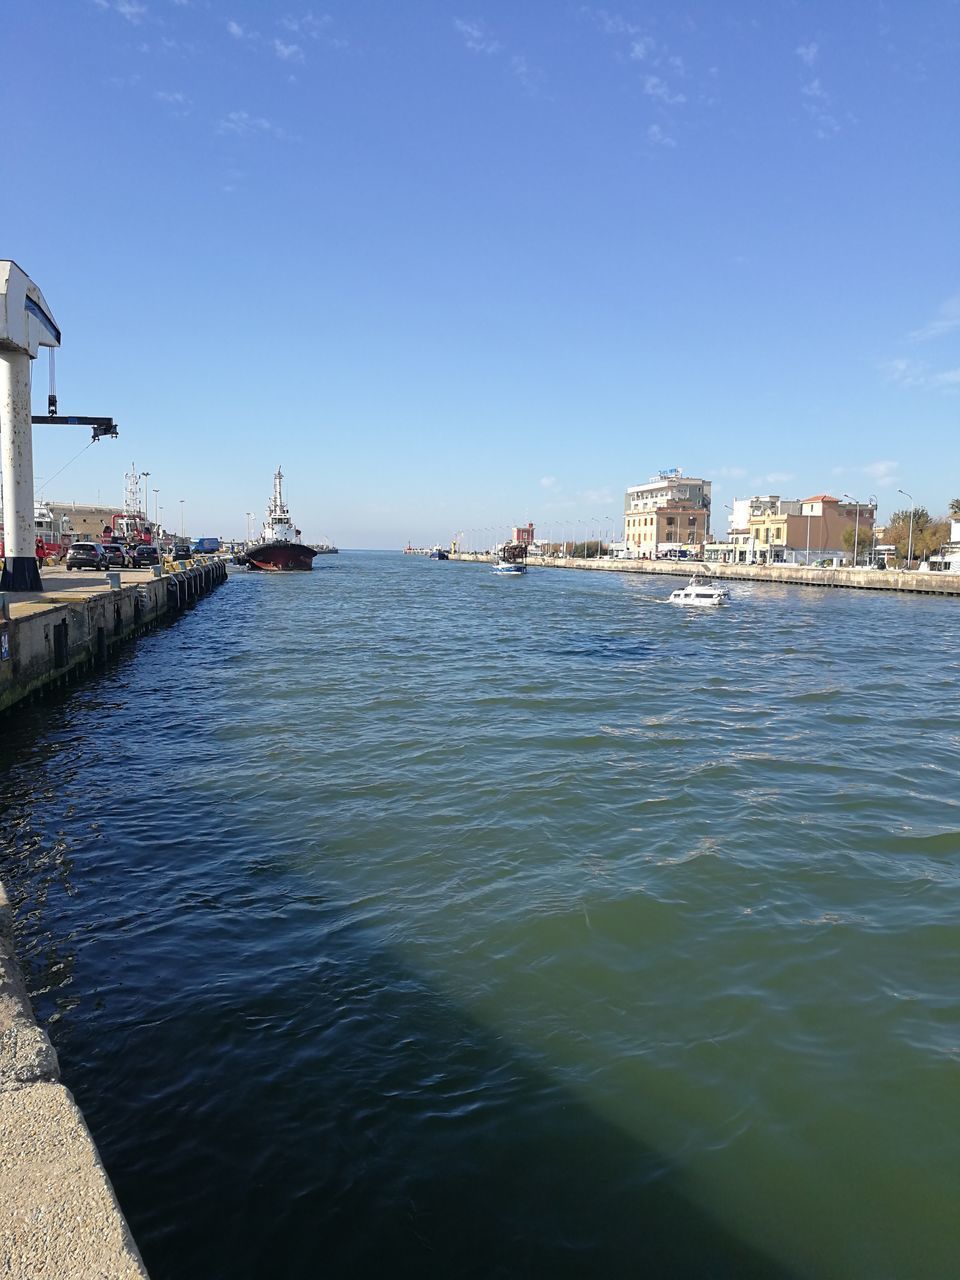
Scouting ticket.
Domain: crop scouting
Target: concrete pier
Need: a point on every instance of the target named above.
(59, 1218)
(51, 637)
(937, 584)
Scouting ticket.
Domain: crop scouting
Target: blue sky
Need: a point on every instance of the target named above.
(457, 266)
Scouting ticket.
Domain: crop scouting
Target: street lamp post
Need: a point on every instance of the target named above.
(873, 530)
(856, 530)
(807, 560)
(910, 536)
(182, 501)
(145, 476)
(156, 517)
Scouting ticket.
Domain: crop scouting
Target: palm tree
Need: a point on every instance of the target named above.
(955, 508)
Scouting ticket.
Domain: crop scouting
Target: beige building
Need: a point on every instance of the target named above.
(667, 515)
(772, 530)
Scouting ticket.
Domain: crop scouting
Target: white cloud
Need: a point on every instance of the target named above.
(132, 10)
(906, 373)
(654, 87)
(243, 125)
(949, 379)
(882, 473)
(659, 138)
(475, 36)
(309, 25)
(807, 53)
(178, 103)
(814, 89)
(778, 477)
(547, 482)
(640, 50)
(236, 30)
(528, 76)
(288, 52)
(947, 319)
(611, 24)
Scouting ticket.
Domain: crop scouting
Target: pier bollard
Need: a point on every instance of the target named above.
(3, 605)
(114, 580)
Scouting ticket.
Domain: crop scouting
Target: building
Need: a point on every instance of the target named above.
(669, 515)
(768, 529)
(523, 533)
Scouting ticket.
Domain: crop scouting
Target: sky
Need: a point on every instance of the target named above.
(457, 266)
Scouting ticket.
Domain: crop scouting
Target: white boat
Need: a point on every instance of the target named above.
(510, 568)
(700, 592)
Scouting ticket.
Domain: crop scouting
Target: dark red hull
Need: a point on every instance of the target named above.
(280, 557)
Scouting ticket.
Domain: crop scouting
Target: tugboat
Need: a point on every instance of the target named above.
(279, 548)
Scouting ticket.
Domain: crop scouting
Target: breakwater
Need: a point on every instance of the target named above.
(51, 638)
(935, 584)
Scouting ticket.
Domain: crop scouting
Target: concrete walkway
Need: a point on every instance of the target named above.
(59, 1218)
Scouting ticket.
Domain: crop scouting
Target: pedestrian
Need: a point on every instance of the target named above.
(40, 552)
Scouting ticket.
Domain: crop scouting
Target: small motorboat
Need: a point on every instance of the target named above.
(700, 591)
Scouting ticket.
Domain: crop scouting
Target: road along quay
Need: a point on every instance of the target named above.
(51, 637)
(919, 583)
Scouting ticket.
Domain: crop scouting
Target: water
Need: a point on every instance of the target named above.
(406, 920)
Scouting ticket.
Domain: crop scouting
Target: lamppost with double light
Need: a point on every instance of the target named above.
(145, 476)
(856, 530)
(910, 536)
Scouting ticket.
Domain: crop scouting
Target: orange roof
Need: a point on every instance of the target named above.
(820, 497)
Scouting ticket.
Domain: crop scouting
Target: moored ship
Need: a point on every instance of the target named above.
(279, 548)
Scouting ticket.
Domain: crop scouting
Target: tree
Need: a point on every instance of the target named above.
(925, 530)
(955, 508)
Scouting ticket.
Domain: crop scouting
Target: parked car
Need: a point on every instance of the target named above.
(145, 555)
(116, 554)
(86, 555)
(181, 551)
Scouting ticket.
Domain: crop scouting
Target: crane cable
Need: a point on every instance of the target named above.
(50, 479)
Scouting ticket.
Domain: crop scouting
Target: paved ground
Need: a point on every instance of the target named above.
(57, 583)
(59, 1219)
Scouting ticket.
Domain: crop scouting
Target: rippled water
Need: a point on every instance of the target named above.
(406, 920)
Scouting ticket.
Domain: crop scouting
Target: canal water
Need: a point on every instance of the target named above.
(406, 920)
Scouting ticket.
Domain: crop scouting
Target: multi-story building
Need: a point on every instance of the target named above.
(523, 533)
(768, 529)
(670, 513)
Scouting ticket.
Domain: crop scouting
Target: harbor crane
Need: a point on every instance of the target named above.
(26, 325)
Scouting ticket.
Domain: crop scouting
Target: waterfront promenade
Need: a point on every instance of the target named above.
(938, 584)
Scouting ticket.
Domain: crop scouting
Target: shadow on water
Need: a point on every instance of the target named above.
(290, 1115)
(275, 1094)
